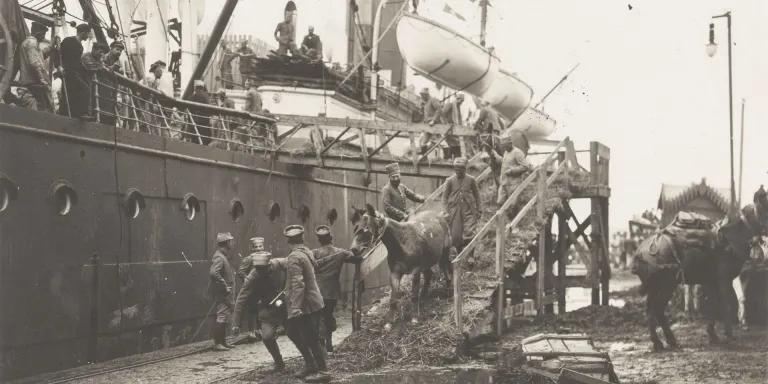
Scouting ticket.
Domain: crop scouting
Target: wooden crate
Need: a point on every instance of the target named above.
(549, 354)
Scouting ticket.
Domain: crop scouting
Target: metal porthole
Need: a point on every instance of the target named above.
(8, 192)
(133, 202)
(190, 205)
(64, 197)
(273, 211)
(332, 216)
(304, 214)
(236, 209)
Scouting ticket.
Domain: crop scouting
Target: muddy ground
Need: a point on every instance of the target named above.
(620, 331)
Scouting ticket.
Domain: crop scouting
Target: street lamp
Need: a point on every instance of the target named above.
(711, 50)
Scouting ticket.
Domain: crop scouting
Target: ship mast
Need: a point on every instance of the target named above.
(483, 20)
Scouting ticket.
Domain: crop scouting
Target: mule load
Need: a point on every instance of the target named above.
(693, 250)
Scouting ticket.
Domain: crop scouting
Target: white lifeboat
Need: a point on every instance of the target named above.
(535, 123)
(509, 95)
(444, 56)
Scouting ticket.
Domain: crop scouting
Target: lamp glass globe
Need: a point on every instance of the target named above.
(711, 49)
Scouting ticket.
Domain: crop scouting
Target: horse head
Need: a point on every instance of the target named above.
(368, 231)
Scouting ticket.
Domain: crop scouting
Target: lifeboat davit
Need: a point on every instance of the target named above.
(535, 123)
(444, 56)
(509, 95)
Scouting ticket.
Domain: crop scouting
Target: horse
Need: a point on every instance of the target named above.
(413, 247)
(661, 263)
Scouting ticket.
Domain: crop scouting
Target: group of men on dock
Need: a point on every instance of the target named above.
(298, 292)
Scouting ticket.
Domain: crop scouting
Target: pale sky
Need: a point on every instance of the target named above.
(645, 87)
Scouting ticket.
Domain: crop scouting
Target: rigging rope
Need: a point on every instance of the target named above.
(381, 36)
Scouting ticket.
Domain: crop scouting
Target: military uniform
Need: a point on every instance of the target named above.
(304, 303)
(262, 286)
(514, 167)
(330, 260)
(393, 198)
(220, 288)
(461, 201)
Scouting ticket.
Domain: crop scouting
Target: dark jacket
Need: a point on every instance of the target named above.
(329, 261)
(301, 290)
(222, 276)
(393, 200)
(262, 288)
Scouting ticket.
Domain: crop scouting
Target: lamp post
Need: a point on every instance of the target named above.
(711, 50)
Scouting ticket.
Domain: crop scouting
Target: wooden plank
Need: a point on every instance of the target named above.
(318, 143)
(378, 125)
(414, 152)
(384, 141)
(335, 140)
(541, 264)
(569, 353)
(290, 132)
(563, 247)
(548, 299)
(568, 376)
(500, 258)
(364, 149)
(602, 151)
(567, 336)
(457, 297)
(492, 221)
(540, 372)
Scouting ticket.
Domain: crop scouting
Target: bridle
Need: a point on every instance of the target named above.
(374, 239)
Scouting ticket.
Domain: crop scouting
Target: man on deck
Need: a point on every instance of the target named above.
(263, 286)
(35, 90)
(312, 47)
(432, 114)
(253, 103)
(451, 114)
(284, 35)
(112, 59)
(225, 66)
(246, 55)
(461, 202)
(74, 84)
(220, 288)
(514, 166)
(393, 195)
(329, 260)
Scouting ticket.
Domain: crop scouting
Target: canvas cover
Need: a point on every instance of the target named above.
(14, 18)
(691, 220)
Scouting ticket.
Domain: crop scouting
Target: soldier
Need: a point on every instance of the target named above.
(284, 35)
(35, 90)
(304, 305)
(432, 114)
(246, 266)
(461, 202)
(220, 287)
(74, 83)
(514, 166)
(393, 195)
(263, 286)
(329, 260)
(311, 46)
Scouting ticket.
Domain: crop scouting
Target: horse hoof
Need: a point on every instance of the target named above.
(658, 347)
(674, 346)
(387, 327)
(714, 341)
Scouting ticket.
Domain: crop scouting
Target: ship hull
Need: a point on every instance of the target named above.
(145, 290)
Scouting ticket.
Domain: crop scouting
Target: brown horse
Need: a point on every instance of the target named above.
(413, 247)
(662, 262)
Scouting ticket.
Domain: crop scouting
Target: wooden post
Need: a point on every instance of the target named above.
(595, 220)
(541, 263)
(457, 296)
(605, 274)
(95, 97)
(562, 260)
(357, 304)
(501, 221)
(414, 153)
(548, 275)
(93, 329)
(318, 143)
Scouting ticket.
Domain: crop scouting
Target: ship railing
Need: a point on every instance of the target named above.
(122, 102)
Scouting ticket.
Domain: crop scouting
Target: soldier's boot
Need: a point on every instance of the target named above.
(218, 337)
(274, 350)
(223, 337)
(318, 351)
(310, 368)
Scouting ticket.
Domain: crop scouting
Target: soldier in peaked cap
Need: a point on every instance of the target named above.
(304, 304)
(461, 203)
(220, 287)
(246, 266)
(514, 165)
(330, 259)
(263, 285)
(393, 194)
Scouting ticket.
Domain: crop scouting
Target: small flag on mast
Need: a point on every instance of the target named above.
(447, 9)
